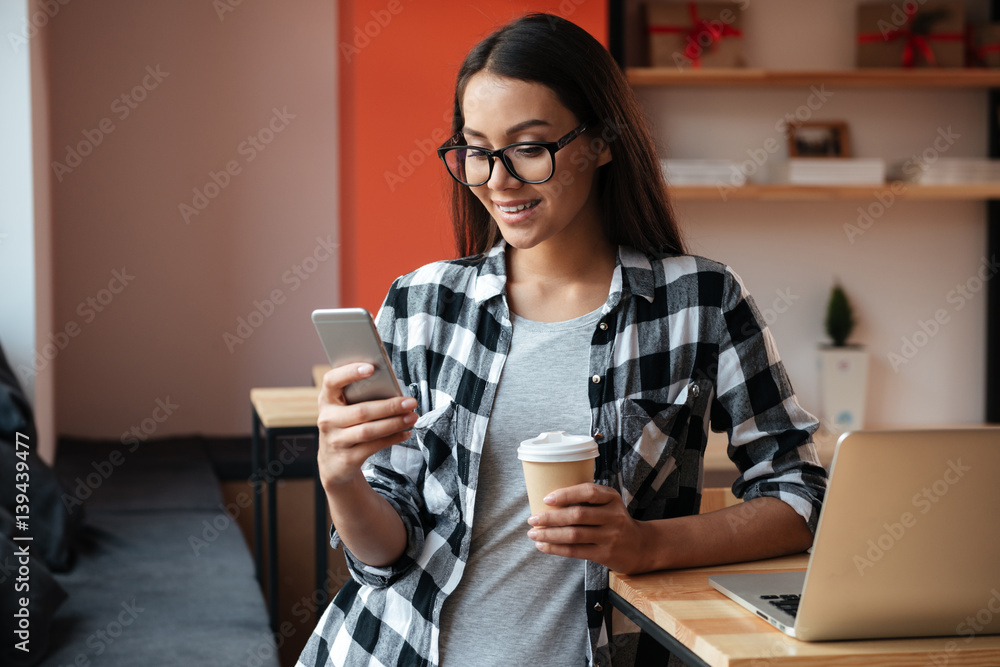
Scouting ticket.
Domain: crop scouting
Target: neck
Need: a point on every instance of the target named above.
(558, 281)
(581, 259)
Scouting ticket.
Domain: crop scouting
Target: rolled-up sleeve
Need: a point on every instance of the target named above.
(770, 434)
(401, 494)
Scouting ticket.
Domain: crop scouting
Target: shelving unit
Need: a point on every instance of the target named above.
(878, 79)
(782, 192)
(855, 78)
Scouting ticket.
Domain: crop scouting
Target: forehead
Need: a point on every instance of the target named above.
(490, 101)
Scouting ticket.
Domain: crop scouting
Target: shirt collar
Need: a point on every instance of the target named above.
(492, 279)
(633, 275)
(636, 273)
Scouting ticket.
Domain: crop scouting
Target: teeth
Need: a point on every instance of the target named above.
(515, 209)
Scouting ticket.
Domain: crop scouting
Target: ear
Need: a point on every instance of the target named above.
(604, 156)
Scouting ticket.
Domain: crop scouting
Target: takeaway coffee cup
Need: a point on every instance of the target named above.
(555, 460)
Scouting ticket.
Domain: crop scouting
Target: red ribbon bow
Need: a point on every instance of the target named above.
(701, 34)
(914, 41)
(975, 56)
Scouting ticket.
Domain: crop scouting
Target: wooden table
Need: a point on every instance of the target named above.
(703, 627)
(282, 412)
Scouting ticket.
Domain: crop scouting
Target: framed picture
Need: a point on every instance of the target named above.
(818, 140)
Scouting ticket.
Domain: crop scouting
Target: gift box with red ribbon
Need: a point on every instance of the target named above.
(911, 33)
(694, 34)
(983, 45)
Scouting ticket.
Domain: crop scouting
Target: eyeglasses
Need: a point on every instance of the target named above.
(529, 161)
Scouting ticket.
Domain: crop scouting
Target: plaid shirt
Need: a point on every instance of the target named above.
(679, 345)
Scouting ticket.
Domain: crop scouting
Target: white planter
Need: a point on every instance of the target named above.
(843, 373)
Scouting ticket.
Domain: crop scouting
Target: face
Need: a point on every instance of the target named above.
(500, 111)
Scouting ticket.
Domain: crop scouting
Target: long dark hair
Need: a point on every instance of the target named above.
(547, 49)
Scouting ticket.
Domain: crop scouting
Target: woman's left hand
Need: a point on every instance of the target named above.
(589, 521)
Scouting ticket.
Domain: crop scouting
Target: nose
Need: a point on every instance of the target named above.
(501, 179)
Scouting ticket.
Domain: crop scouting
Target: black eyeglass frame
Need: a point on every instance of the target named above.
(550, 146)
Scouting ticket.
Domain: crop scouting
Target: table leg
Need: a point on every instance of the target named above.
(322, 542)
(665, 639)
(272, 531)
(258, 537)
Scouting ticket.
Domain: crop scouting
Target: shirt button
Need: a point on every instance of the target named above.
(603, 326)
(694, 389)
(596, 379)
(598, 607)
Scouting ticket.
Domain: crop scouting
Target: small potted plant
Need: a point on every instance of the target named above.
(843, 368)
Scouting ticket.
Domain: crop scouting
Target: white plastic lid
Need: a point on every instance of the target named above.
(557, 447)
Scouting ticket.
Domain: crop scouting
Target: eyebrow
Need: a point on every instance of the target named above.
(514, 129)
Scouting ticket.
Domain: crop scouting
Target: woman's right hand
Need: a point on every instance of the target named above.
(349, 434)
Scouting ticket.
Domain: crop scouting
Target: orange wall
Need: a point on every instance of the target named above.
(398, 63)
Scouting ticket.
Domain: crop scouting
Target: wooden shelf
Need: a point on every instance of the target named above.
(972, 192)
(956, 77)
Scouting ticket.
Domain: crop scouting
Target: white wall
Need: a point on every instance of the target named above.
(899, 272)
(17, 265)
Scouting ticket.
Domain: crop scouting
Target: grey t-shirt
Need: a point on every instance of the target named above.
(514, 604)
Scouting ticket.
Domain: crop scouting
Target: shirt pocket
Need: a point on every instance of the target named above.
(435, 435)
(654, 433)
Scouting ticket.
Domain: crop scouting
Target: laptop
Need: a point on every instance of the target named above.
(908, 543)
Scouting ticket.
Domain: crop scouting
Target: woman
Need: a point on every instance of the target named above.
(575, 308)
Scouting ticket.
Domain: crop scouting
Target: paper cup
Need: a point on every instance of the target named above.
(555, 460)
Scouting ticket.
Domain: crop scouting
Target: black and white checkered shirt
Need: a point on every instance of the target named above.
(680, 345)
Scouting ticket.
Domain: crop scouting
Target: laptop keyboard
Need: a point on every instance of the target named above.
(786, 603)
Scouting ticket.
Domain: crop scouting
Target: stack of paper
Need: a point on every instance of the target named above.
(832, 171)
(703, 172)
(945, 171)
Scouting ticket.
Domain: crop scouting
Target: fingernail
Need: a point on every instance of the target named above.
(366, 369)
(549, 499)
(409, 403)
(533, 519)
(532, 534)
(409, 418)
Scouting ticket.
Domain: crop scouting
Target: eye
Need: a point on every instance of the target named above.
(476, 154)
(528, 152)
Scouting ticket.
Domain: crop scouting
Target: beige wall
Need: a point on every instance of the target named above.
(147, 291)
(898, 272)
(45, 390)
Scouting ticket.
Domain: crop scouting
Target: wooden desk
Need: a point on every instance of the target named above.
(318, 371)
(703, 627)
(282, 412)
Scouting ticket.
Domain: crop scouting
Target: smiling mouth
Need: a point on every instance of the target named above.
(519, 207)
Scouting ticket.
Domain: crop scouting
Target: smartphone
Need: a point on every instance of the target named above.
(349, 336)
